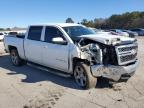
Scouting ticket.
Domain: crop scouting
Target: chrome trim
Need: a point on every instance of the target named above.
(125, 53)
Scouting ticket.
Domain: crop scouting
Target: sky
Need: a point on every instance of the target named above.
(22, 13)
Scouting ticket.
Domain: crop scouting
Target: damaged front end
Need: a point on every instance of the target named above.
(109, 61)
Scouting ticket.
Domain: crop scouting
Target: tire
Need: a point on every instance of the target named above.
(15, 58)
(83, 76)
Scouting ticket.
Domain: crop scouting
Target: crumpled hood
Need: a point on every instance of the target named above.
(107, 38)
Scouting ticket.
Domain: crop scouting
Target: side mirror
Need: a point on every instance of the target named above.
(59, 40)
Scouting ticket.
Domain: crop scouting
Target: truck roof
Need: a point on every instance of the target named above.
(57, 24)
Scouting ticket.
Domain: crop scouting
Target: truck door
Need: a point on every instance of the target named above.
(55, 55)
(33, 45)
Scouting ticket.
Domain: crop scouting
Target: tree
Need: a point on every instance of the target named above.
(137, 23)
(8, 29)
(1, 29)
(100, 23)
(69, 20)
(87, 23)
(127, 20)
(123, 21)
(84, 21)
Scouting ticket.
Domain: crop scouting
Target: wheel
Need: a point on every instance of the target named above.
(83, 76)
(16, 60)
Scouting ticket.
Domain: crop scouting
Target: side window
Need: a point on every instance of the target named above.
(136, 30)
(52, 32)
(35, 33)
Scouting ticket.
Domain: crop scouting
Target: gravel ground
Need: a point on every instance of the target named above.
(27, 87)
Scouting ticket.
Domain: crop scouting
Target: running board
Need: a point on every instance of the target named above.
(53, 71)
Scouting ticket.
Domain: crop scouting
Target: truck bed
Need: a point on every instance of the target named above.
(15, 41)
(18, 36)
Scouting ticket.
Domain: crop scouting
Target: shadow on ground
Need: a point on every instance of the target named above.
(34, 75)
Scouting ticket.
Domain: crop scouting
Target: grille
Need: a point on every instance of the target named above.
(127, 58)
(124, 49)
(126, 53)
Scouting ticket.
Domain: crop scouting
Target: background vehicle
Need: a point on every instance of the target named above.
(75, 50)
(100, 31)
(131, 33)
(139, 31)
(120, 32)
(1, 36)
(12, 33)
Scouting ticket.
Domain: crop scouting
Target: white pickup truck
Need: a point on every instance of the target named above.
(75, 50)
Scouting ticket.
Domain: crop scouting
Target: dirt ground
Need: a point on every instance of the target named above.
(28, 87)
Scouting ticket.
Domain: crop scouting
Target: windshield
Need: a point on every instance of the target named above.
(76, 31)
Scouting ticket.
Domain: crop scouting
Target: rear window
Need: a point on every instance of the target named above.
(35, 33)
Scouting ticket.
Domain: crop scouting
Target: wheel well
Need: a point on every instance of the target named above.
(11, 48)
(75, 60)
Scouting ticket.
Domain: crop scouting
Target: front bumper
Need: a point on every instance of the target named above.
(113, 72)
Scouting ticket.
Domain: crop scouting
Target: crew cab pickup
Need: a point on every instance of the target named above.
(76, 50)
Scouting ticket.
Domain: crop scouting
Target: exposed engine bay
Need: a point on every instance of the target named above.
(98, 53)
(110, 61)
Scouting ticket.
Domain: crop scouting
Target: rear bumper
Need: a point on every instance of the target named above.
(115, 73)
